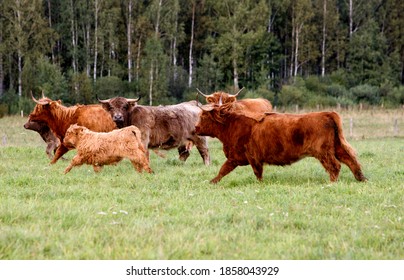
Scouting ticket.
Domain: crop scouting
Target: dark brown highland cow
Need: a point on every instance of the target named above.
(162, 127)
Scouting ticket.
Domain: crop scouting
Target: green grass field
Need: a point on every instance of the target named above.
(295, 213)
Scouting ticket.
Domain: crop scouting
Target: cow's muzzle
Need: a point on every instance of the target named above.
(118, 118)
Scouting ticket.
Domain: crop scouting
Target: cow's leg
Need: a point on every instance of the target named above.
(351, 162)
(331, 165)
(258, 170)
(97, 168)
(257, 166)
(140, 162)
(183, 152)
(60, 151)
(226, 168)
(49, 149)
(76, 161)
(201, 144)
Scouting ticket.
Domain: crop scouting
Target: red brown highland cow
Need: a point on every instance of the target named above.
(58, 118)
(246, 106)
(278, 139)
(104, 148)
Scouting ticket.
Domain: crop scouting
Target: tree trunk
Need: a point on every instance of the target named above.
(19, 55)
(235, 75)
(96, 11)
(350, 19)
(73, 31)
(1, 67)
(191, 61)
(296, 55)
(19, 73)
(50, 26)
(151, 79)
(139, 49)
(129, 37)
(174, 48)
(292, 53)
(324, 38)
(153, 64)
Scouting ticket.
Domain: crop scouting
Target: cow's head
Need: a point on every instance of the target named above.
(73, 135)
(43, 109)
(211, 119)
(35, 126)
(220, 97)
(119, 108)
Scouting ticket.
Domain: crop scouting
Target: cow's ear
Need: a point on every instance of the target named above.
(106, 106)
(131, 104)
(208, 107)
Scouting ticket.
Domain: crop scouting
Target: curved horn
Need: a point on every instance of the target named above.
(39, 102)
(43, 95)
(133, 100)
(235, 95)
(102, 101)
(204, 95)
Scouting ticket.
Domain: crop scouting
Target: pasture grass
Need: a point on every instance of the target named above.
(295, 213)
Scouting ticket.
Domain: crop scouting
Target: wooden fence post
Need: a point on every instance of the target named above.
(395, 130)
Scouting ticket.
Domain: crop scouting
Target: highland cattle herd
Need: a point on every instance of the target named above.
(250, 132)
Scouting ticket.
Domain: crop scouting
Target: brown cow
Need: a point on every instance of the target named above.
(162, 127)
(50, 139)
(247, 106)
(59, 118)
(278, 139)
(104, 148)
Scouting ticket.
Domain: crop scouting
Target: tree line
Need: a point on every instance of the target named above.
(302, 52)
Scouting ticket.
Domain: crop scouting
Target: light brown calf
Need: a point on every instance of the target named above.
(104, 148)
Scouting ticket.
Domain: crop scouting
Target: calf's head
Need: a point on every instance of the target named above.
(73, 135)
(119, 108)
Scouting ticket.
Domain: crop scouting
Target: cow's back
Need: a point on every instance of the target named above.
(165, 126)
(257, 105)
(285, 138)
(95, 118)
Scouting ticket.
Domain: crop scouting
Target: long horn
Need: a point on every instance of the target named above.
(204, 95)
(102, 101)
(220, 100)
(43, 95)
(39, 102)
(206, 108)
(133, 100)
(235, 95)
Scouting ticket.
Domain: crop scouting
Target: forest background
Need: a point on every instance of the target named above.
(293, 52)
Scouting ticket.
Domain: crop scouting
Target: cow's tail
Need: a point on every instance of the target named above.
(345, 153)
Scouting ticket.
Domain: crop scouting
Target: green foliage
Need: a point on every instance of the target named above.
(261, 92)
(291, 95)
(366, 94)
(108, 87)
(39, 75)
(81, 90)
(395, 97)
(251, 43)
